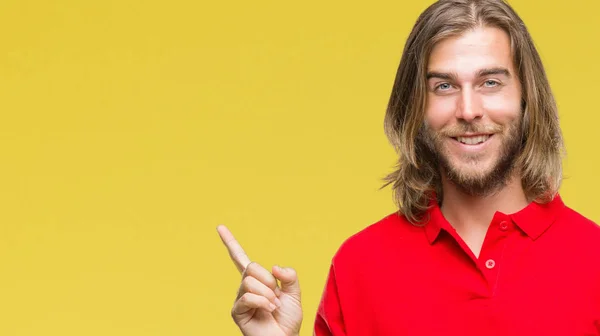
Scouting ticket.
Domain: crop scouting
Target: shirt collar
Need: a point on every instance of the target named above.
(435, 220)
(534, 219)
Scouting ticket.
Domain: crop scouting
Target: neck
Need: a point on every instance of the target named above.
(467, 212)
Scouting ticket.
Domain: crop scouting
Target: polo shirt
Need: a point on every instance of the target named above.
(538, 273)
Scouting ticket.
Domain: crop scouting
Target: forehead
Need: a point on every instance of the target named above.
(482, 47)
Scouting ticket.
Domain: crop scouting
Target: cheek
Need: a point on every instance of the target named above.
(439, 111)
(503, 108)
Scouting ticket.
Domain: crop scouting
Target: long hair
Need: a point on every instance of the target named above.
(416, 176)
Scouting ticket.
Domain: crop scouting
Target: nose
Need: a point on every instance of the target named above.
(469, 106)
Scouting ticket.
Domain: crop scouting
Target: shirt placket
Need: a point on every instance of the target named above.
(491, 259)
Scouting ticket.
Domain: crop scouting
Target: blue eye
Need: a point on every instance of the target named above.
(444, 86)
(491, 83)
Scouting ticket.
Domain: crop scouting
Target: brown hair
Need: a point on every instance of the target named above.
(416, 176)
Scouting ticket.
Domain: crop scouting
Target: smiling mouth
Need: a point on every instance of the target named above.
(473, 140)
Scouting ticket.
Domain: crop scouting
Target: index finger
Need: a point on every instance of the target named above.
(236, 252)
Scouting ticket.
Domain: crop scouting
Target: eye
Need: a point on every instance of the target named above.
(490, 83)
(444, 87)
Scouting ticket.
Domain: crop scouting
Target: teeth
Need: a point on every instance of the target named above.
(473, 140)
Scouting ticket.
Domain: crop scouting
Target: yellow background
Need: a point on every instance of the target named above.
(130, 129)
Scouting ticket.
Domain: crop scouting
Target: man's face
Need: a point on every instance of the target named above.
(473, 113)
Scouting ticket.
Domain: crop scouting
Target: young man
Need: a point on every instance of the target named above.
(482, 243)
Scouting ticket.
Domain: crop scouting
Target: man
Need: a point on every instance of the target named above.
(482, 244)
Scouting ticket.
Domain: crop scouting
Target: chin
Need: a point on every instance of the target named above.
(473, 166)
(470, 174)
(477, 171)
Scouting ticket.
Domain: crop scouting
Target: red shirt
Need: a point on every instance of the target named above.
(538, 273)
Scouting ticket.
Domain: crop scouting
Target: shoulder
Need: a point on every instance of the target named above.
(579, 225)
(391, 230)
(577, 232)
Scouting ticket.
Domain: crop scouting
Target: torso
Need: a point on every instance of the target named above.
(393, 281)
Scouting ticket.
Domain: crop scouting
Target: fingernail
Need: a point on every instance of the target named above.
(277, 302)
(272, 306)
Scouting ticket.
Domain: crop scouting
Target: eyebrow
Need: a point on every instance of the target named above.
(481, 73)
(493, 71)
(441, 75)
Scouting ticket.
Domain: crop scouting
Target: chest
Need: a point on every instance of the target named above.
(517, 290)
(512, 308)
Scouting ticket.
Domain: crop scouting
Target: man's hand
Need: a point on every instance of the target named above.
(262, 308)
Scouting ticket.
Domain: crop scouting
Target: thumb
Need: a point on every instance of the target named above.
(288, 278)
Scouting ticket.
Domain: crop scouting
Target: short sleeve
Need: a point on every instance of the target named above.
(329, 320)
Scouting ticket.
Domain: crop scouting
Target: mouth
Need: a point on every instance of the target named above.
(473, 139)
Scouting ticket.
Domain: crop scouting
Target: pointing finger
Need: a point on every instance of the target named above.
(236, 252)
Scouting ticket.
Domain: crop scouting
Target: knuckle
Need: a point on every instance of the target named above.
(241, 291)
(252, 267)
(245, 298)
(246, 282)
(271, 296)
(271, 283)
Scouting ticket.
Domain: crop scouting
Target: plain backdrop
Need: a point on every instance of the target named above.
(130, 129)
